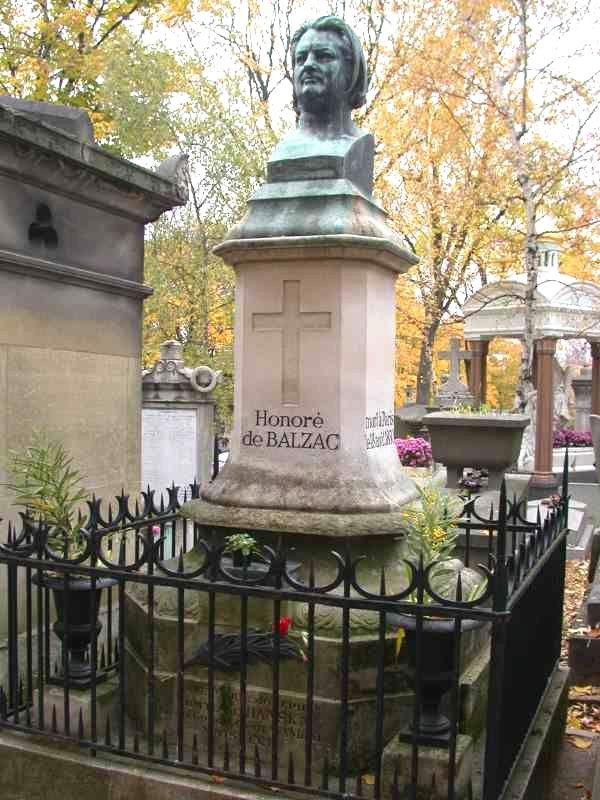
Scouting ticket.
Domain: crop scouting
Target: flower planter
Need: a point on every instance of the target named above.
(80, 628)
(437, 657)
(490, 441)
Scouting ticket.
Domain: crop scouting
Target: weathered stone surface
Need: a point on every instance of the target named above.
(71, 292)
(74, 121)
(313, 523)
(314, 348)
(33, 769)
(433, 768)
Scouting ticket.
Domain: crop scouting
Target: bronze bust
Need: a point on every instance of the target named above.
(330, 80)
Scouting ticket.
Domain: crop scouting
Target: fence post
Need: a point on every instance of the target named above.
(491, 788)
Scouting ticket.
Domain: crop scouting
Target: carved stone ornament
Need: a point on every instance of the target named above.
(170, 375)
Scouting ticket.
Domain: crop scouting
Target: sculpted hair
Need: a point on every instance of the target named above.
(353, 54)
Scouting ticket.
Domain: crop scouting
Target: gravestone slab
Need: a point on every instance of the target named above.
(178, 421)
(168, 447)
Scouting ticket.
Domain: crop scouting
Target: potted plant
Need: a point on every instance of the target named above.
(431, 531)
(481, 437)
(45, 482)
(414, 453)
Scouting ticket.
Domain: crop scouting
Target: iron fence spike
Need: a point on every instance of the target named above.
(226, 755)
(107, 735)
(257, 766)
(325, 774)
(165, 745)
(136, 742)
(291, 771)
(359, 785)
(195, 750)
(80, 731)
(54, 725)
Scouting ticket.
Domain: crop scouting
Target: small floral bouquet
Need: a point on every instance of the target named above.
(414, 451)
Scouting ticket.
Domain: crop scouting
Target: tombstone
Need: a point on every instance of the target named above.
(453, 391)
(312, 448)
(178, 421)
(72, 291)
(582, 387)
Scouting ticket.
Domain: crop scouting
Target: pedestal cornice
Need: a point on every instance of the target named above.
(345, 247)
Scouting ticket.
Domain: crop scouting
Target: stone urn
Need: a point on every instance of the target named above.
(489, 441)
(77, 637)
(438, 665)
(595, 425)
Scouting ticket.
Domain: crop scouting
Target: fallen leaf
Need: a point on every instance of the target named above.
(580, 743)
(369, 780)
(217, 779)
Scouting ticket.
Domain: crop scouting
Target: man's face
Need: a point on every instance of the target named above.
(320, 71)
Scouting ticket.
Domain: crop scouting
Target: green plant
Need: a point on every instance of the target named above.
(431, 525)
(431, 530)
(242, 543)
(45, 482)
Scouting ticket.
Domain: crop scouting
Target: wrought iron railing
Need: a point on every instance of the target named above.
(328, 707)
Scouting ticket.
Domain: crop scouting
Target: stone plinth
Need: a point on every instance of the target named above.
(582, 387)
(314, 350)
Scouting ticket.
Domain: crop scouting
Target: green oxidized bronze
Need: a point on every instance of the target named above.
(320, 177)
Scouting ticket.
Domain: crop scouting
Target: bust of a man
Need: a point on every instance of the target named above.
(330, 80)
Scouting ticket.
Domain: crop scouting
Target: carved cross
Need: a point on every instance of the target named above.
(455, 355)
(291, 321)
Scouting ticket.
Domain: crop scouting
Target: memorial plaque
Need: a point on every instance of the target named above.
(169, 447)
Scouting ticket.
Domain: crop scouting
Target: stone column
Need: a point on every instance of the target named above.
(478, 370)
(595, 377)
(544, 481)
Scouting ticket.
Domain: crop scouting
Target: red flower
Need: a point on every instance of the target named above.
(283, 625)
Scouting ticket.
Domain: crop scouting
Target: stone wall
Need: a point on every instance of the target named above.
(71, 295)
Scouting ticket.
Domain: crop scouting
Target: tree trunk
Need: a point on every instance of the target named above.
(425, 374)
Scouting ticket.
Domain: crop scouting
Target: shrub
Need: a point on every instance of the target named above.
(566, 437)
(414, 452)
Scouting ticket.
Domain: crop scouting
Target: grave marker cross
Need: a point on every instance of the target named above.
(455, 355)
(291, 321)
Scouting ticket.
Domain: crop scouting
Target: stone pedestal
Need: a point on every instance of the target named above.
(314, 352)
(582, 387)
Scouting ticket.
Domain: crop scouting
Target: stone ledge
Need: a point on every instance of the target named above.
(531, 776)
(346, 247)
(77, 276)
(33, 768)
(312, 523)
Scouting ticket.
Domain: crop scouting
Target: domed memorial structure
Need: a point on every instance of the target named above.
(312, 450)
(564, 308)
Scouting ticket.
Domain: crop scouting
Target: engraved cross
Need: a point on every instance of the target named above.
(291, 321)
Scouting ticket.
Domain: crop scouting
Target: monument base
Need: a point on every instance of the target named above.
(309, 523)
(432, 782)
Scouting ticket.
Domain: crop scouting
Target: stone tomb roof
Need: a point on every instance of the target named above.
(565, 307)
(45, 135)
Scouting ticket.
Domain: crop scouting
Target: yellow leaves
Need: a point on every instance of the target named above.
(579, 742)
(400, 634)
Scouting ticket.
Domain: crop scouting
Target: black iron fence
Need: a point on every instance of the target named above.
(278, 661)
